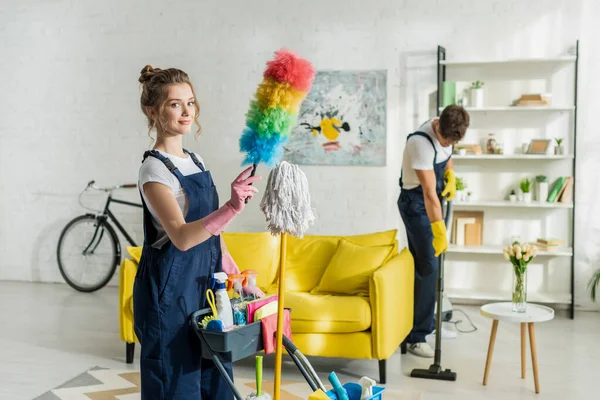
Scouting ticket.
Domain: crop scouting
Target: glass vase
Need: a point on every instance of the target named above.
(519, 294)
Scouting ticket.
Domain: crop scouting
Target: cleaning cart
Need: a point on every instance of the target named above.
(246, 341)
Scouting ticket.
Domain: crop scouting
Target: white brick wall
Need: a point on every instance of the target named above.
(70, 98)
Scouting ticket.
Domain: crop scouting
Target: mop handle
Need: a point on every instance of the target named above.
(251, 175)
(259, 371)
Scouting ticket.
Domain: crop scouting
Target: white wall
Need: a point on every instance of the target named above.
(70, 98)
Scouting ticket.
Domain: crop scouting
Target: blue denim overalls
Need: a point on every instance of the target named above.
(411, 204)
(169, 286)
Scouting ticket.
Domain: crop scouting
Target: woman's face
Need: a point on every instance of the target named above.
(180, 110)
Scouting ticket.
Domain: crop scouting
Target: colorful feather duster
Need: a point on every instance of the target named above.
(273, 112)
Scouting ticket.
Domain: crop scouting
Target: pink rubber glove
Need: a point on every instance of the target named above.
(241, 189)
(231, 268)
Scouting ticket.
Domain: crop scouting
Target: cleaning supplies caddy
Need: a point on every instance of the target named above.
(223, 305)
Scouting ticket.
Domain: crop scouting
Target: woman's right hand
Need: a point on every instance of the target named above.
(241, 188)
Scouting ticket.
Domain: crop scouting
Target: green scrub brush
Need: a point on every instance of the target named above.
(259, 394)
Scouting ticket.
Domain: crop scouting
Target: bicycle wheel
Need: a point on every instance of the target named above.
(88, 253)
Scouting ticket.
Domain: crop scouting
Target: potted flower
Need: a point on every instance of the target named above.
(477, 94)
(559, 150)
(519, 256)
(460, 189)
(541, 188)
(526, 189)
(512, 196)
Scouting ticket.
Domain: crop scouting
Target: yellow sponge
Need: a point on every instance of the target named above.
(266, 310)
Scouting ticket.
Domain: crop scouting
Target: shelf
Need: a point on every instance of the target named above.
(516, 108)
(497, 249)
(510, 204)
(512, 157)
(533, 297)
(544, 60)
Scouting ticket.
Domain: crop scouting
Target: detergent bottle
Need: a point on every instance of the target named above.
(222, 299)
(237, 282)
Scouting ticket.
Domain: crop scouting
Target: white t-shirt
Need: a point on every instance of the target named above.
(154, 170)
(419, 154)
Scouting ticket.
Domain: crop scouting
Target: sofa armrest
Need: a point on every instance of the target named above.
(391, 294)
(127, 274)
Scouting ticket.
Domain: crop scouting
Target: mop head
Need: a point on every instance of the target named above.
(263, 396)
(286, 201)
(274, 109)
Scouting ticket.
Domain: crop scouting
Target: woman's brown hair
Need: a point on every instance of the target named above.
(155, 87)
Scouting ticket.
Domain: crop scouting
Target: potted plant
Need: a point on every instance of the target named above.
(512, 196)
(477, 94)
(593, 284)
(468, 196)
(519, 256)
(461, 150)
(526, 189)
(460, 189)
(541, 188)
(559, 150)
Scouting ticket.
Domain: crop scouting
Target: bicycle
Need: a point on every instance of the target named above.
(88, 232)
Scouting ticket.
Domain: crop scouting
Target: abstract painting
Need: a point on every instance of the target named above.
(342, 121)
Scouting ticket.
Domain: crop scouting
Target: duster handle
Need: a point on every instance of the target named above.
(251, 175)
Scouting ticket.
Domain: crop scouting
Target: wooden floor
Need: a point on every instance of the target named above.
(49, 334)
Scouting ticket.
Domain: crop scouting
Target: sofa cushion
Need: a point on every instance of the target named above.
(308, 257)
(351, 267)
(258, 251)
(327, 314)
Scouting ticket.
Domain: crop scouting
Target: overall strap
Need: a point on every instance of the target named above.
(165, 160)
(419, 133)
(195, 160)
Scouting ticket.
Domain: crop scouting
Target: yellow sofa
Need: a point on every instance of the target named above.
(369, 325)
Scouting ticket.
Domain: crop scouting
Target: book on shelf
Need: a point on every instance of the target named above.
(562, 190)
(548, 244)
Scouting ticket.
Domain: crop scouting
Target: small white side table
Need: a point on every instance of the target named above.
(503, 312)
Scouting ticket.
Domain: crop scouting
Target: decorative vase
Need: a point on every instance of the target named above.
(477, 97)
(527, 197)
(519, 294)
(512, 198)
(542, 191)
(559, 150)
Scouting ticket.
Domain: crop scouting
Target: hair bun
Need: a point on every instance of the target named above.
(147, 73)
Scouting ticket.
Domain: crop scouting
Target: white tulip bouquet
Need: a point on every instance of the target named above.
(519, 256)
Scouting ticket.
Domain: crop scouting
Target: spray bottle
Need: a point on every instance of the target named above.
(222, 299)
(251, 289)
(237, 282)
(366, 385)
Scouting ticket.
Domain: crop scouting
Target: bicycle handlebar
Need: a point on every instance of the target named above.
(92, 184)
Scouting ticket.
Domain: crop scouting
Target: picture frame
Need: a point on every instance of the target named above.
(539, 146)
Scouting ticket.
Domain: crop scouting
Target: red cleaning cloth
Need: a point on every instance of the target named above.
(256, 304)
(269, 327)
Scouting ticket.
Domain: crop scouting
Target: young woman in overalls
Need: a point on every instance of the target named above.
(182, 245)
(427, 176)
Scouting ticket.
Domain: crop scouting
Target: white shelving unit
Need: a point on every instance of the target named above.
(477, 258)
(505, 203)
(512, 157)
(497, 250)
(517, 109)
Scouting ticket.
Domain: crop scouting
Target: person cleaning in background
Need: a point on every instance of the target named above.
(182, 245)
(427, 176)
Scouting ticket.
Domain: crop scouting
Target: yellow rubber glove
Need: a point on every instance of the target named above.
(440, 239)
(450, 188)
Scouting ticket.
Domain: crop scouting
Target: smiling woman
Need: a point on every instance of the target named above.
(182, 244)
